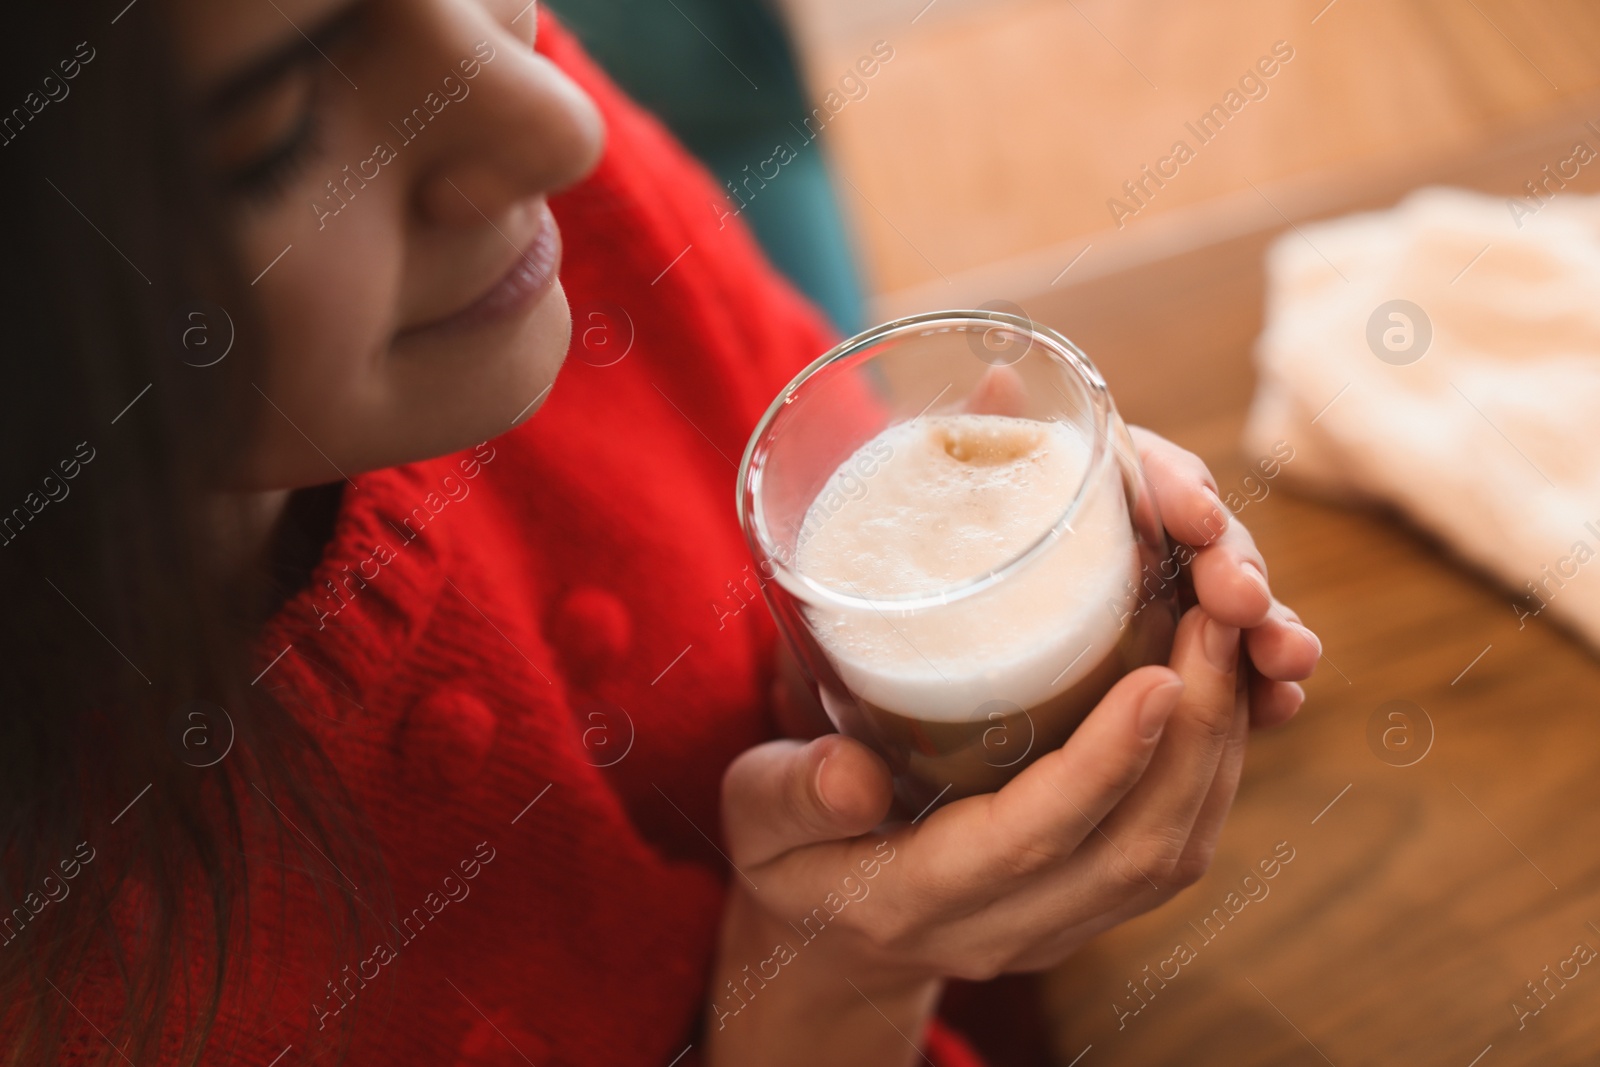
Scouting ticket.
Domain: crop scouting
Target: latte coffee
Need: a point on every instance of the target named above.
(984, 674)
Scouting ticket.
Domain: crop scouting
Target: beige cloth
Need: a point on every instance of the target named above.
(1491, 440)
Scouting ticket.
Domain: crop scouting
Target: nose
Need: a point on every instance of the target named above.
(521, 127)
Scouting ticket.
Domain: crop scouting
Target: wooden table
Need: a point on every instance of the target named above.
(1420, 899)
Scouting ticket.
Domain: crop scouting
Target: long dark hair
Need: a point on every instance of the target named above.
(122, 848)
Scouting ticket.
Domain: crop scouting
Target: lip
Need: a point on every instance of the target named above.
(527, 281)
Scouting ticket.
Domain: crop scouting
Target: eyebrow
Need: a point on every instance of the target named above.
(266, 70)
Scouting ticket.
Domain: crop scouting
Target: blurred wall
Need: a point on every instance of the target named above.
(988, 153)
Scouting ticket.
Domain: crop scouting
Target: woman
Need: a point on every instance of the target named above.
(342, 722)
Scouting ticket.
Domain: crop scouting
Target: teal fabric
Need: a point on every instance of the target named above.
(721, 74)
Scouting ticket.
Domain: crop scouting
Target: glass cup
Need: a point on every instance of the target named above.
(955, 536)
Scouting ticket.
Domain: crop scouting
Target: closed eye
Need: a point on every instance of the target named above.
(264, 121)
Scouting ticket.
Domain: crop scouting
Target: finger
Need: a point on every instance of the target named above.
(1202, 844)
(785, 794)
(1152, 824)
(1110, 900)
(1045, 812)
(999, 392)
(1282, 648)
(1230, 579)
(1273, 703)
(1184, 488)
(1122, 886)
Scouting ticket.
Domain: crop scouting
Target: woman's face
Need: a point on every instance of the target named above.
(389, 163)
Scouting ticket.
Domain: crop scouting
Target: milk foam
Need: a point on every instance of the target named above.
(958, 497)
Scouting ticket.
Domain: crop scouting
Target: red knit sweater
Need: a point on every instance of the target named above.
(530, 664)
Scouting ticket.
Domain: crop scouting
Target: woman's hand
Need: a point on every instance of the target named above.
(836, 934)
(1230, 577)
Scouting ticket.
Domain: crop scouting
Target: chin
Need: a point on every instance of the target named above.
(480, 387)
(433, 400)
(537, 355)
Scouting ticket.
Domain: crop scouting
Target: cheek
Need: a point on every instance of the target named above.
(334, 315)
(328, 307)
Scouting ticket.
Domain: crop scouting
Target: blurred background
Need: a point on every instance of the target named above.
(1439, 795)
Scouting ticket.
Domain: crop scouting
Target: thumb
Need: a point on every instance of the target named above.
(999, 392)
(786, 794)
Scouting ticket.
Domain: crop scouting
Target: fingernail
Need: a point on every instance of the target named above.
(1256, 577)
(1316, 642)
(1221, 644)
(1298, 688)
(1221, 509)
(1157, 709)
(822, 794)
